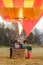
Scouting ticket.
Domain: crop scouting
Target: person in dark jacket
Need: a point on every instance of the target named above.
(11, 50)
(30, 48)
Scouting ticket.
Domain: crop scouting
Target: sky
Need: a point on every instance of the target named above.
(39, 25)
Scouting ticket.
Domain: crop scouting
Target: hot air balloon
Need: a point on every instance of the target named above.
(27, 12)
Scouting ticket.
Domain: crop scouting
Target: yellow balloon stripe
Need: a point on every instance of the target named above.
(28, 3)
(8, 3)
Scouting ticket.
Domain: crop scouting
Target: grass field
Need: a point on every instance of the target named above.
(37, 57)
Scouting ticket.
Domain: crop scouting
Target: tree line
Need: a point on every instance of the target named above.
(7, 35)
(35, 37)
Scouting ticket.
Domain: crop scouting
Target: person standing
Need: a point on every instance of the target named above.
(29, 51)
(11, 50)
(16, 45)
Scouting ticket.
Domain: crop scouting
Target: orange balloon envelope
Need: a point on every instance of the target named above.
(28, 12)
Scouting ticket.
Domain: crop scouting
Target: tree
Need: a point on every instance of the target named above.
(30, 38)
(37, 37)
(2, 30)
(8, 34)
(34, 37)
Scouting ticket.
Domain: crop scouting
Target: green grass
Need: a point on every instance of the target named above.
(37, 57)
